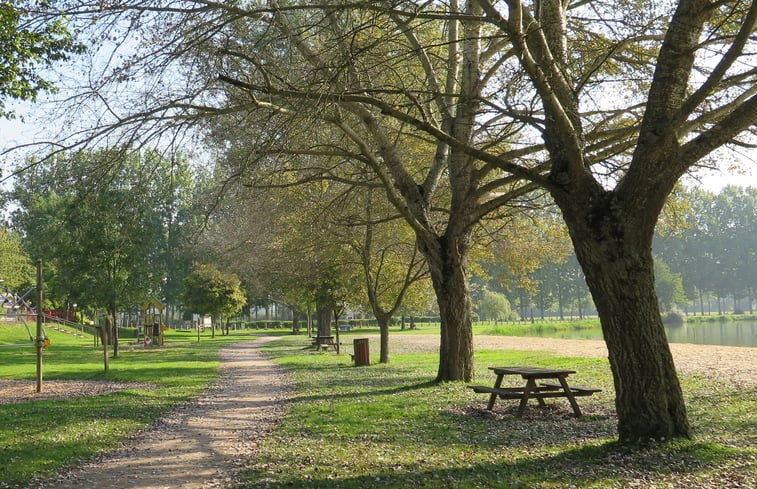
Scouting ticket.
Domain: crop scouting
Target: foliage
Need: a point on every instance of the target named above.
(28, 45)
(501, 98)
(108, 224)
(669, 287)
(493, 306)
(714, 250)
(16, 269)
(209, 291)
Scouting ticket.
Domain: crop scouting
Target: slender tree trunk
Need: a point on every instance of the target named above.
(383, 322)
(114, 333)
(616, 258)
(449, 274)
(295, 321)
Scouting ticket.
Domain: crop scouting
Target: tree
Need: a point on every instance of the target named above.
(494, 306)
(104, 222)
(669, 287)
(16, 268)
(209, 291)
(390, 262)
(503, 97)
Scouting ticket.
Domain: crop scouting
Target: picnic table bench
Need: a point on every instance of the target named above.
(543, 390)
(324, 342)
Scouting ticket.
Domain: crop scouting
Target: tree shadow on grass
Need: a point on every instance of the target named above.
(604, 465)
(365, 394)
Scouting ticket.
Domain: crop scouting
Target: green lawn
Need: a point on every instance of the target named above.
(388, 426)
(380, 426)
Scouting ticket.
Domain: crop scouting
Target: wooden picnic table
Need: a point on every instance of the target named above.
(543, 390)
(324, 342)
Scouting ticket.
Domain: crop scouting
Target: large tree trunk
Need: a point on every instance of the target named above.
(324, 314)
(448, 263)
(615, 253)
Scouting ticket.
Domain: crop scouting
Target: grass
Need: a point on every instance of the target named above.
(383, 425)
(388, 426)
(40, 437)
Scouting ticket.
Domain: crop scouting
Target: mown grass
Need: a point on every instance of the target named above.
(40, 437)
(388, 426)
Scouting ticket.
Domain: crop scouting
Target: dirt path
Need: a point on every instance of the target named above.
(206, 442)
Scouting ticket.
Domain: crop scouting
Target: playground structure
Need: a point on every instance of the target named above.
(151, 328)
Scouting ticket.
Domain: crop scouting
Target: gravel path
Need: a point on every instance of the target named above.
(205, 443)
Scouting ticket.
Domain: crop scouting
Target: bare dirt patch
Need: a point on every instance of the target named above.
(12, 391)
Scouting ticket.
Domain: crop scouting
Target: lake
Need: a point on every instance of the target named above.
(731, 333)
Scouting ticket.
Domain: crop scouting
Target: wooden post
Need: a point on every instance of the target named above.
(105, 331)
(40, 340)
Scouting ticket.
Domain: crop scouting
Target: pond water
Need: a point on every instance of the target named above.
(730, 333)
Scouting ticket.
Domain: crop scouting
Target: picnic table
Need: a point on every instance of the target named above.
(323, 342)
(556, 385)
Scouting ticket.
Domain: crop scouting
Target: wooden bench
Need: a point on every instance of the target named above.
(511, 392)
(577, 390)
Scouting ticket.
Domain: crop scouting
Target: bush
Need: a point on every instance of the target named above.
(673, 317)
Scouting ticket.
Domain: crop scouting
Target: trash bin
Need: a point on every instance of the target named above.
(362, 351)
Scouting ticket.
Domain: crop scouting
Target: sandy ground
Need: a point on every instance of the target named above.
(738, 364)
(207, 442)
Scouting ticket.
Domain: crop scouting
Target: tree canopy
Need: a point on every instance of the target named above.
(29, 44)
(209, 291)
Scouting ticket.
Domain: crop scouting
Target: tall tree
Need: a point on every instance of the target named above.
(100, 222)
(16, 268)
(209, 291)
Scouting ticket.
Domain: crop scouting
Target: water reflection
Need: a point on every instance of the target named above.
(730, 333)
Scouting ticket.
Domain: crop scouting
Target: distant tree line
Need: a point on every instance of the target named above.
(705, 252)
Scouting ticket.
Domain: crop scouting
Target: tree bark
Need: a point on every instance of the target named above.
(383, 322)
(295, 321)
(113, 334)
(324, 314)
(615, 252)
(448, 264)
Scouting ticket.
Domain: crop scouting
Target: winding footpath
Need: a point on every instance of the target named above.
(203, 444)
